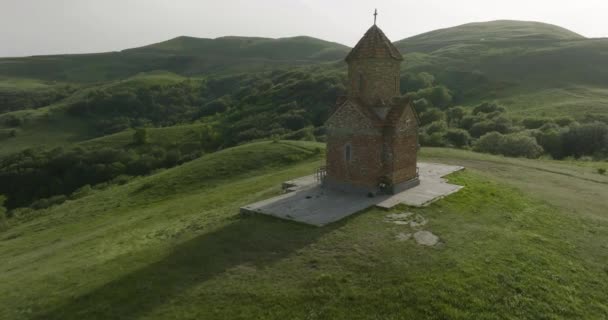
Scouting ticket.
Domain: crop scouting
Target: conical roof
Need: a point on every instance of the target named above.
(374, 44)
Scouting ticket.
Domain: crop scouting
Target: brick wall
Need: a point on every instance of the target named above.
(364, 168)
(374, 79)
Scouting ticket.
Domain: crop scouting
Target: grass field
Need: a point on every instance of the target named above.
(524, 240)
(575, 101)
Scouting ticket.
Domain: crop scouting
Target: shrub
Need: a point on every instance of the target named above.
(455, 115)
(306, 134)
(435, 140)
(535, 123)
(500, 125)
(440, 97)
(512, 145)
(437, 127)
(551, 141)
(3, 223)
(82, 192)
(412, 83)
(421, 105)
(601, 171)
(489, 143)
(519, 145)
(563, 122)
(468, 121)
(431, 116)
(213, 107)
(488, 108)
(121, 179)
(140, 137)
(458, 137)
(587, 139)
(48, 202)
(13, 121)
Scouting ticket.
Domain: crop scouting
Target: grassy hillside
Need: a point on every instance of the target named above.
(183, 55)
(492, 31)
(51, 126)
(518, 63)
(295, 48)
(172, 246)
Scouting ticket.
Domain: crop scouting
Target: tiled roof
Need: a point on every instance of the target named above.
(374, 44)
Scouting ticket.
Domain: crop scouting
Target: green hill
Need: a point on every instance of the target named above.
(492, 31)
(524, 239)
(295, 48)
(532, 68)
(183, 55)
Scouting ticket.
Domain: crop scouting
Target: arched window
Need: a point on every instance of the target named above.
(348, 153)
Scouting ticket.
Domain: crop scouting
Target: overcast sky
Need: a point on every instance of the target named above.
(29, 27)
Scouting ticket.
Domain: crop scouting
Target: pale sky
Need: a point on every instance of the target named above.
(33, 27)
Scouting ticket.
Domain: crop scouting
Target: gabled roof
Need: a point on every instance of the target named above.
(399, 109)
(352, 114)
(374, 44)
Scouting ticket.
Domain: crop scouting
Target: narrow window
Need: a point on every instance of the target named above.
(397, 84)
(347, 153)
(360, 82)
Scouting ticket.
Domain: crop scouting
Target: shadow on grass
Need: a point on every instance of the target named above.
(258, 241)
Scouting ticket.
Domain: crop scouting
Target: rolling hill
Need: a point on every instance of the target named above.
(530, 67)
(492, 31)
(183, 55)
(533, 69)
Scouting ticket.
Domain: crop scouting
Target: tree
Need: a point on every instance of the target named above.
(587, 139)
(441, 97)
(140, 137)
(431, 116)
(421, 105)
(413, 83)
(551, 141)
(433, 140)
(213, 107)
(500, 124)
(437, 127)
(455, 114)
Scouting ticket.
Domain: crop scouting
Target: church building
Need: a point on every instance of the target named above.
(372, 134)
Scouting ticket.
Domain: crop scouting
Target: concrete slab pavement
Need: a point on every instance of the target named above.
(308, 202)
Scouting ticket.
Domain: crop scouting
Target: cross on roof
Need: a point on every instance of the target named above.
(375, 15)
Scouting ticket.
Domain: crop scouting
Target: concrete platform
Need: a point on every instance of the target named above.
(307, 202)
(432, 187)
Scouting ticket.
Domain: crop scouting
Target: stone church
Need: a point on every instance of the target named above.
(372, 133)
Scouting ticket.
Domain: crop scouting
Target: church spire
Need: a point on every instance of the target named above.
(374, 44)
